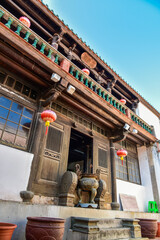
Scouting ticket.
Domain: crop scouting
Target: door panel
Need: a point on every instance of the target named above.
(101, 163)
(53, 160)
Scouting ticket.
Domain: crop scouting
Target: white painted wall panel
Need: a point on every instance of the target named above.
(134, 190)
(15, 166)
(143, 192)
(150, 118)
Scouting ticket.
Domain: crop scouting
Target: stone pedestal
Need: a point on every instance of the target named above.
(134, 226)
(83, 228)
(66, 199)
(68, 185)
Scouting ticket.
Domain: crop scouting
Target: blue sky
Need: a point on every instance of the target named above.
(125, 33)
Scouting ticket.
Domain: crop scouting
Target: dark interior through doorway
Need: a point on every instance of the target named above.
(80, 152)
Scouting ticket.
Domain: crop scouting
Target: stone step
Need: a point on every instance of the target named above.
(109, 223)
(134, 239)
(115, 233)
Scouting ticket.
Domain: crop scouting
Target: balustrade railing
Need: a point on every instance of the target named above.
(50, 52)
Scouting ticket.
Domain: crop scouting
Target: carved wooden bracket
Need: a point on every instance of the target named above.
(118, 135)
(53, 93)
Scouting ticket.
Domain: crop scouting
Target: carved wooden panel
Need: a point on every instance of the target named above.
(54, 139)
(101, 163)
(50, 169)
(53, 160)
(102, 158)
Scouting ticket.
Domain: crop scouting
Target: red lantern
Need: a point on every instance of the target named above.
(48, 116)
(25, 21)
(123, 101)
(122, 153)
(86, 71)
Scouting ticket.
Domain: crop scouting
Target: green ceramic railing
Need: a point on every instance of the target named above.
(45, 48)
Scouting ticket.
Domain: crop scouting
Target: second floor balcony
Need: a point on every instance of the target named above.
(88, 91)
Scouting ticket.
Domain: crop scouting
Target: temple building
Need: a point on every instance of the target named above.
(46, 66)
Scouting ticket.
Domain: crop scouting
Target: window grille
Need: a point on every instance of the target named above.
(129, 171)
(15, 122)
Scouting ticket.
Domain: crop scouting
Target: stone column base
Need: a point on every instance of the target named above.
(115, 206)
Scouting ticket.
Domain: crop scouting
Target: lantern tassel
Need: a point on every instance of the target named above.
(47, 123)
(122, 160)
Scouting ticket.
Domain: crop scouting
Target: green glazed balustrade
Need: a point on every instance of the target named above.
(48, 50)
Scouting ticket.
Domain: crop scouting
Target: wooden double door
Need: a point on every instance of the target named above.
(61, 150)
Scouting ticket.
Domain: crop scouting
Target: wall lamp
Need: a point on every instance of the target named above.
(126, 126)
(135, 131)
(55, 77)
(71, 89)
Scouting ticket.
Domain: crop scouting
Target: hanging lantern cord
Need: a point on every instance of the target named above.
(122, 160)
(47, 123)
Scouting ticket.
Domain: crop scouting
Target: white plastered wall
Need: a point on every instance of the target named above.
(143, 192)
(134, 190)
(15, 167)
(150, 118)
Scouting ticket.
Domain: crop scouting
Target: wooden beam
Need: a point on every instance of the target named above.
(87, 111)
(14, 67)
(23, 61)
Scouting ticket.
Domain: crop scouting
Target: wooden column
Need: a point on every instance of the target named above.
(114, 204)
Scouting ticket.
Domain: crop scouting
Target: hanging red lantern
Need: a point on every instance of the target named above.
(25, 21)
(48, 116)
(122, 153)
(123, 101)
(86, 71)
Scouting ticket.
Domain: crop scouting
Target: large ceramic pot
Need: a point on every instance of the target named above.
(88, 182)
(44, 228)
(6, 230)
(158, 229)
(148, 227)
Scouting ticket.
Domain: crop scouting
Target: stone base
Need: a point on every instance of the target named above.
(134, 226)
(115, 206)
(66, 200)
(26, 196)
(100, 202)
(79, 235)
(87, 205)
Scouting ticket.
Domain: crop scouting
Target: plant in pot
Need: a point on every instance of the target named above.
(6, 230)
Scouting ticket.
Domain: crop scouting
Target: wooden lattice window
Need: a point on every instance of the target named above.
(102, 158)
(54, 139)
(15, 123)
(129, 171)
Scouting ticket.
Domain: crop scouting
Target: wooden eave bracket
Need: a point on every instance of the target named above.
(118, 134)
(54, 92)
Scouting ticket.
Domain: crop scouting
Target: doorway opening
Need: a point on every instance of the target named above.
(80, 152)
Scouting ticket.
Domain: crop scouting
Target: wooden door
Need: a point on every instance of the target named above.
(101, 163)
(53, 160)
